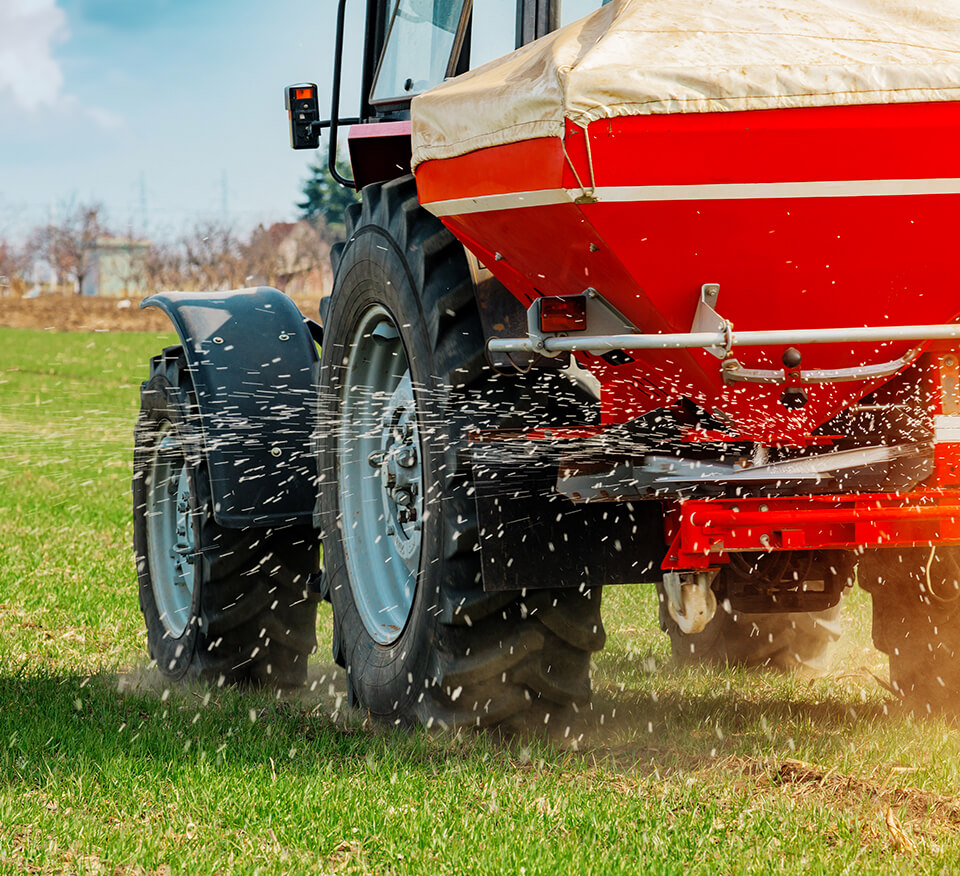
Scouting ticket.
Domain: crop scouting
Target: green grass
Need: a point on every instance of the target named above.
(104, 768)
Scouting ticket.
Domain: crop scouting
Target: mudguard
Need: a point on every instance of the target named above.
(252, 360)
(532, 537)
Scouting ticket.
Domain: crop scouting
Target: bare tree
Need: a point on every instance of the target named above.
(264, 262)
(68, 245)
(212, 258)
(285, 253)
(14, 262)
(292, 256)
(165, 269)
(306, 255)
(132, 270)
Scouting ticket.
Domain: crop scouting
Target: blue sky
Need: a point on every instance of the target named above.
(158, 101)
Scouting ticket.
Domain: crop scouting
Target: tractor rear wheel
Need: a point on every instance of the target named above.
(782, 640)
(777, 640)
(224, 605)
(402, 381)
(916, 621)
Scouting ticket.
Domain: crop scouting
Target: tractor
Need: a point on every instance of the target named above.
(636, 293)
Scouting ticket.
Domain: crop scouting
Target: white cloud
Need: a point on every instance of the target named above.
(28, 31)
(106, 119)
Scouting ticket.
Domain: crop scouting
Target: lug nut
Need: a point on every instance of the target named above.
(182, 552)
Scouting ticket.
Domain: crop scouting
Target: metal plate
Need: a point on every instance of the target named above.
(532, 537)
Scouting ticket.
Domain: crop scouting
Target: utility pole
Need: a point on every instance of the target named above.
(54, 276)
(143, 205)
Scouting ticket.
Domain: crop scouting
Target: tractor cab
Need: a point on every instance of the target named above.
(410, 46)
(419, 43)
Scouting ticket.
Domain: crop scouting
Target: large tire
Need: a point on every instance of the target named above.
(419, 637)
(916, 621)
(223, 605)
(783, 640)
(776, 640)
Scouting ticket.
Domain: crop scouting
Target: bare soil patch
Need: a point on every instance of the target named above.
(74, 313)
(808, 778)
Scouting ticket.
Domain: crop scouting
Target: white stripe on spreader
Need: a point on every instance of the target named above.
(856, 188)
(507, 201)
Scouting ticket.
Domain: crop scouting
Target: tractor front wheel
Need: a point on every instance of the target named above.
(223, 605)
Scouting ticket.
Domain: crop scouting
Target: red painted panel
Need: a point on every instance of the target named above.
(527, 166)
(908, 141)
(379, 129)
(780, 263)
(892, 141)
(379, 151)
(702, 532)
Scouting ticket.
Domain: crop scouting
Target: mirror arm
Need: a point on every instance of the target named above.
(335, 108)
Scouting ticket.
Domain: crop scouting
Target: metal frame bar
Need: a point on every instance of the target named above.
(727, 340)
(705, 530)
(374, 25)
(335, 101)
(536, 18)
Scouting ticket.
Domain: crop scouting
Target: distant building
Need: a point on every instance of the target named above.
(291, 256)
(40, 278)
(118, 268)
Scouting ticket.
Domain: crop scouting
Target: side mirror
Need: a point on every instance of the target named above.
(303, 110)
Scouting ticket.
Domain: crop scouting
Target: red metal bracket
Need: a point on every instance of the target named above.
(704, 531)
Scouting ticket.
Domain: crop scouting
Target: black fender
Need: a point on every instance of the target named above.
(252, 358)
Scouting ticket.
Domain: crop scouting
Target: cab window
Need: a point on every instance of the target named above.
(571, 10)
(421, 39)
(493, 30)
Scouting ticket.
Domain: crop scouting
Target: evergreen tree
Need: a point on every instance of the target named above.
(324, 197)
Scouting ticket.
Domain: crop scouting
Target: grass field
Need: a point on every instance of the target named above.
(105, 769)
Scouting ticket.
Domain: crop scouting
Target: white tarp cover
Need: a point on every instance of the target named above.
(637, 57)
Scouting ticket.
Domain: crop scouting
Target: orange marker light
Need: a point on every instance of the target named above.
(304, 93)
(563, 314)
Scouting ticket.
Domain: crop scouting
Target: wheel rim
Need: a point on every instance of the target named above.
(380, 477)
(171, 544)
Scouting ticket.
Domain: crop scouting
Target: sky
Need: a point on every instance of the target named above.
(166, 112)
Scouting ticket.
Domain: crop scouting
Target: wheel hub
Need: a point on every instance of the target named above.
(398, 466)
(380, 476)
(183, 551)
(171, 542)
